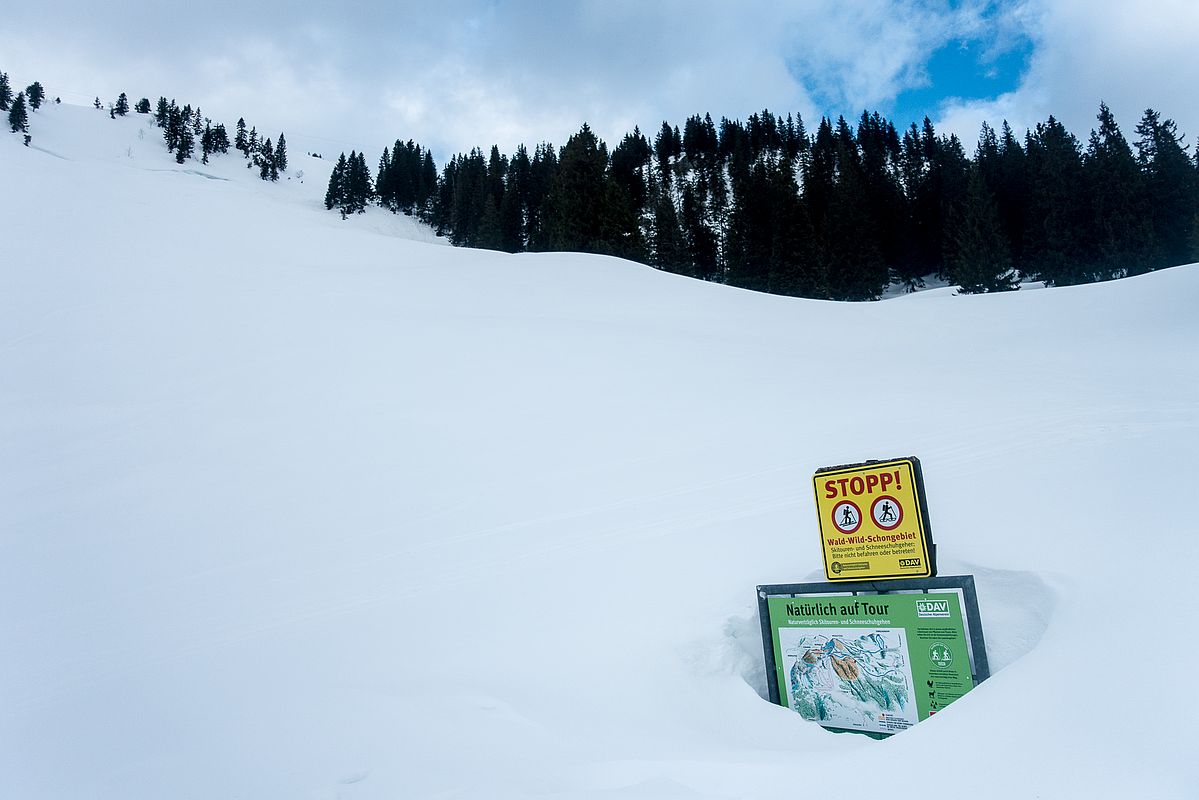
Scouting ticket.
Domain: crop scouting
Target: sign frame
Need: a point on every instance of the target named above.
(927, 548)
(972, 621)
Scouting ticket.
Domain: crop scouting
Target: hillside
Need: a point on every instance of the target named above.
(299, 507)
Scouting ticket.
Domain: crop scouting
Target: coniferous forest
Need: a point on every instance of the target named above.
(840, 213)
(767, 205)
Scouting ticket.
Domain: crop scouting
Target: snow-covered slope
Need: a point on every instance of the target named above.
(292, 507)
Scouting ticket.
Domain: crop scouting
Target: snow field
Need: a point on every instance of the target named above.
(292, 506)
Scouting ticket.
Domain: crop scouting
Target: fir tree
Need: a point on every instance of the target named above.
(18, 117)
(266, 160)
(630, 166)
(588, 212)
(1121, 231)
(35, 94)
(669, 246)
(1054, 248)
(186, 144)
(6, 97)
(281, 155)
(172, 131)
(143, 106)
(978, 258)
(162, 112)
(96, 104)
(1001, 160)
(220, 139)
(668, 146)
(336, 191)
(515, 203)
(122, 105)
(359, 183)
(240, 139)
(1172, 183)
(205, 144)
(384, 182)
(701, 239)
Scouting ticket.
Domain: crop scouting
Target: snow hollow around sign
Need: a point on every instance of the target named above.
(298, 507)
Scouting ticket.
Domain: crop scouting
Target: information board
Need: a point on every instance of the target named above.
(854, 658)
(874, 521)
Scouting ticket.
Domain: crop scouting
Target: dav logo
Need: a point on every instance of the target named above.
(932, 608)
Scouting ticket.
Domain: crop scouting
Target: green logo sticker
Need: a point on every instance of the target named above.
(940, 654)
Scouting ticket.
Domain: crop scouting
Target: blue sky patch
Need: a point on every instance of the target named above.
(964, 70)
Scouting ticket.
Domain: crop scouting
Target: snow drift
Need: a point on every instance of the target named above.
(297, 507)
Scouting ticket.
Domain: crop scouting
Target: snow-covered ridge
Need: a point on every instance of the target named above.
(289, 508)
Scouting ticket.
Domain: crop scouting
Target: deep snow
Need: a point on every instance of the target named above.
(297, 507)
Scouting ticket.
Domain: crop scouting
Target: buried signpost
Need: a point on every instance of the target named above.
(855, 657)
(884, 644)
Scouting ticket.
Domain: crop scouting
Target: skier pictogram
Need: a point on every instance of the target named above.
(886, 512)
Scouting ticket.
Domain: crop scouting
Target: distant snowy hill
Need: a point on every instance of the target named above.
(297, 507)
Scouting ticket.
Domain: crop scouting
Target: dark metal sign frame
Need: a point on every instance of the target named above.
(979, 668)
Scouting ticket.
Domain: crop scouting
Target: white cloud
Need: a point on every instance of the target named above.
(1131, 56)
(472, 72)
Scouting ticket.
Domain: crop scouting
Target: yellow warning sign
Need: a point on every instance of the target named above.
(874, 521)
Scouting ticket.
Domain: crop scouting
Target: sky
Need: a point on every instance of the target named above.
(464, 73)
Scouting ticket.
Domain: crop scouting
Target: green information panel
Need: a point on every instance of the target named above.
(853, 658)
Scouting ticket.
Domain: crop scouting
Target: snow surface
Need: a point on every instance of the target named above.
(297, 507)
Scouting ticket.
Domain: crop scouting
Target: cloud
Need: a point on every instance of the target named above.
(477, 72)
(862, 54)
(1131, 56)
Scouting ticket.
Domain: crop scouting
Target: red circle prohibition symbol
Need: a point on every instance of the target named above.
(875, 513)
(856, 516)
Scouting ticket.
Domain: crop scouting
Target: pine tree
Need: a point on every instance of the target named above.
(6, 97)
(668, 146)
(265, 159)
(1120, 234)
(205, 144)
(426, 186)
(35, 94)
(122, 106)
(186, 144)
(1000, 159)
(978, 258)
(281, 155)
(335, 194)
(362, 189)
(220, 139)
(240, 140)
(173, 130)
(1054, 248)
(1172, 184)
(384, 182)
(18, 117)
(515, 204)
(701, 239)
(162, 112)
(630, 166)
(670, 251)
(96, 104)
(143, 106)
(587, 211)
(350, 186)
